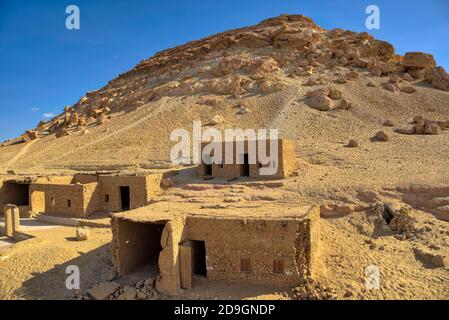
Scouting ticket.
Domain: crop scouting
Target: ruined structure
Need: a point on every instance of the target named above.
(283, 165)
(79, 195)
(179, 242)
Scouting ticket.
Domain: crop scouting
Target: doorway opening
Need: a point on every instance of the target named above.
(18, 193)
(199, 258)
(125, 198)
(245, 166)
(208, 170)
(140, 246)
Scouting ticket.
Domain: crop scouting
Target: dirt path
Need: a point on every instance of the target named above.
(21, 153)
(117, 132)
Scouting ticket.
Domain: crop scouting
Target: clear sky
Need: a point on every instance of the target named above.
(44, 66)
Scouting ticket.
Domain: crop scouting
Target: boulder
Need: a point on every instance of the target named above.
(61, 132)
(335, 94)
(381, 136)
(376, 71)
(101, 118)
(353, 75)
(431, 128)
(438, 77)
(319, 100)
(82, 121)
(74, 118)
(82, 233)
(418, 119)
(388, 123)
(407, 89)
(420, 127)
(129, 293)
(418, 60)
(103, 290)
(395, 79)
(391, 87)
(29, 135)
(345, 104)
(352, 144)
(409, 129)
(407, 77)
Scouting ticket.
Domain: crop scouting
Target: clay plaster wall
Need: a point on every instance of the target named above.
(91, 193)
(285, 162)
(261, 241)
(55, 199)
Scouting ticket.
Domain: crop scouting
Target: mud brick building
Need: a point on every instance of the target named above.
(266, 245)
(79, 195)
(285, 161)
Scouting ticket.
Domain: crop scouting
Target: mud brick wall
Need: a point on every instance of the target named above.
(308, 238)
(110, 185)
(153, 186)
(261, 241)
(53, 199)
(24, 211)
(285, 162)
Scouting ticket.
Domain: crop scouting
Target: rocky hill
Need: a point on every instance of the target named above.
(313, 84)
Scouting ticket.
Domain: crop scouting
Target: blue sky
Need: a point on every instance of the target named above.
(44, 66)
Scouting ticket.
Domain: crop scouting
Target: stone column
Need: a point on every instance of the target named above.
(12, 220)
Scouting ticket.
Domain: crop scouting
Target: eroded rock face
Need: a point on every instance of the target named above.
(422, 126)
(263, 59)
(438, 77)
(418, 60)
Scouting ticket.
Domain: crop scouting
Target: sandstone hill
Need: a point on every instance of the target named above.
(319, 87)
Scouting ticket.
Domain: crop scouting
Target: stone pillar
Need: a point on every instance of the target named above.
(12, 220)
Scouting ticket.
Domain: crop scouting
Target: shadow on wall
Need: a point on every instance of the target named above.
(95, 266)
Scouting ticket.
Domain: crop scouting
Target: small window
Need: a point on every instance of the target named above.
(278, 266)
(69, 203)
(221, 166)
(106, 198)
(245, 265)
(53, 202)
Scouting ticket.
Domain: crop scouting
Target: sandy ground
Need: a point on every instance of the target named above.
(35, 268)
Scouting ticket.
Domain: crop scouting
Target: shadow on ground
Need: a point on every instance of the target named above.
(95, 266)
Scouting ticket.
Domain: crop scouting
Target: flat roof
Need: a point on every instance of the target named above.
(166, 211)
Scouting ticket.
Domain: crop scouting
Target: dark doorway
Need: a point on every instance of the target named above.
(125, 198)
(245, 166)
(199, 258)
(207, 169)
(17, 193)
(140, 246)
